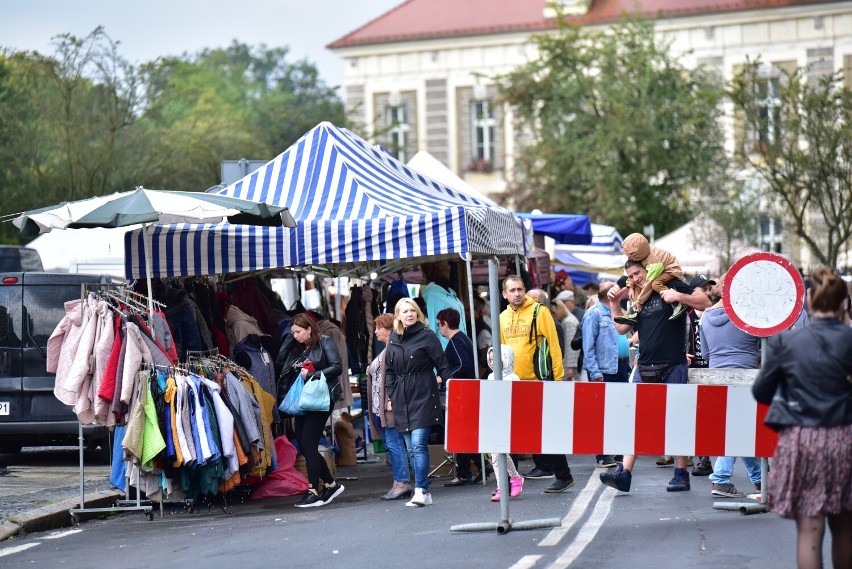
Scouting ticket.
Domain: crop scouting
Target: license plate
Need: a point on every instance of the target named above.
(4, 407)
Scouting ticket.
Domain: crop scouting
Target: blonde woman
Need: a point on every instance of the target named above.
(412, 353)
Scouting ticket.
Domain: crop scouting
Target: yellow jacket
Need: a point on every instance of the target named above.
(515, 331)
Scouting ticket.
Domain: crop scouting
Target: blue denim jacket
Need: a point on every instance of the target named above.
(600, 342)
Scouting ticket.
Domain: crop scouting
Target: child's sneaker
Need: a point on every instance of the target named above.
(679, 310)
(516, 486)
(495, 497)
(630, 319)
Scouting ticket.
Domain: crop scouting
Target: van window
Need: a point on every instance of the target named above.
(10, 331)
(44, 307)
(14, 259)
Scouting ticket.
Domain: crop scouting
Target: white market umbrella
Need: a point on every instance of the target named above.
(147, 207)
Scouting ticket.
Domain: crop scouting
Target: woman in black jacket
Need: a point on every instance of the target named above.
(310, 346)
(807, 380)
(413, 353)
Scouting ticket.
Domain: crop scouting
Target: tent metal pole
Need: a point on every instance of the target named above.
(473, 332)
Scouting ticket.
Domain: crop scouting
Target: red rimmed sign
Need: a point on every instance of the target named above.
(763, 294)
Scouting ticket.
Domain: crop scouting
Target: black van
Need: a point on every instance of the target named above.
(31, 305)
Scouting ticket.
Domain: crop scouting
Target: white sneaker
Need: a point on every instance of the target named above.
(419, 499)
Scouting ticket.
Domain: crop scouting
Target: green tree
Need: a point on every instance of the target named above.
(800, 143)
(236, 102)
(619, 128)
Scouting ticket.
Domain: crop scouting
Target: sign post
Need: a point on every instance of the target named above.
(764, 295)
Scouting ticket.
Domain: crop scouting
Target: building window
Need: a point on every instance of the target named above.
(771, 234)
(397, 121)
(483, 125)
(769, 127)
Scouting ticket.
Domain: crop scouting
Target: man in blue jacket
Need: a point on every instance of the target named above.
(600, 350)
(726, 346)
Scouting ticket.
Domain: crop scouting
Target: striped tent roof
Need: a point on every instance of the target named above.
(357, 209)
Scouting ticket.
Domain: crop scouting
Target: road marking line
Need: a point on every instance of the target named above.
(17, 549)
(62, 534)
(588, 531)
(574, 514)
(526, 562)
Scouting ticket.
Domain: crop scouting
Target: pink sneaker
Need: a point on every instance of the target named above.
(516, 486)
(495, 497)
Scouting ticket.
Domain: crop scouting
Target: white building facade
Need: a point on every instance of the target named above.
(418, 77)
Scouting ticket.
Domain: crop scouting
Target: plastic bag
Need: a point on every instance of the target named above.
(315, 396)
(290, 404)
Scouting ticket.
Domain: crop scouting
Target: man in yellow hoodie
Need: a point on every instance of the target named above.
(516, 330)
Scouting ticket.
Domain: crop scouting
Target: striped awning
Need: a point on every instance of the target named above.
(354, 204)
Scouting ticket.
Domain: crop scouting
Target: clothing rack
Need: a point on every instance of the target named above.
(116, 292)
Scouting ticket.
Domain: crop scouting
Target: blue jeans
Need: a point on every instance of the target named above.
(417, 442)
(396, 454)
(724, 467)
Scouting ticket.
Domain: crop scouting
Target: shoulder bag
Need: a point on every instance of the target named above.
(315, 396)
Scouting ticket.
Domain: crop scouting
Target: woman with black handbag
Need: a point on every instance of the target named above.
(313, 355)
(807, 380)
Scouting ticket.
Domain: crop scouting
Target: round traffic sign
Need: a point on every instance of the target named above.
(763, 294)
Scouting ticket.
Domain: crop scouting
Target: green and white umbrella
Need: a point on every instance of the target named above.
(149, 207)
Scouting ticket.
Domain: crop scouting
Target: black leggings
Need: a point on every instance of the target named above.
(309, 429)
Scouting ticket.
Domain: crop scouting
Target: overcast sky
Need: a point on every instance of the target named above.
(153, 28)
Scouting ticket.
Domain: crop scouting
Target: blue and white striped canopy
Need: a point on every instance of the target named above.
(353, 204)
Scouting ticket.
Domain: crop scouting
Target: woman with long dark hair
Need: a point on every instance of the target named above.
(807, 380)
(312, 355)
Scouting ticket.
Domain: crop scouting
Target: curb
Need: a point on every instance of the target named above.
(53, 516)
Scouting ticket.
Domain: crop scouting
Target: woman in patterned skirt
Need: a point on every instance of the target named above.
(807, 379)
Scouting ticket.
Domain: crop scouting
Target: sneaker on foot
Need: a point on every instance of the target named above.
(309, 500)
(495, 497)
(619, 479)
(538, 474)
(631, 319)
(726, 490)
(331, 492)
(680, 482)
(679, 310)
(419, 499)
(689, 462)
(559, 485)
(516, 486)
(703, 468)
(605, 461)
(665, 461)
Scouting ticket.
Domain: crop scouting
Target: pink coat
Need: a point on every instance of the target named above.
(61, 347)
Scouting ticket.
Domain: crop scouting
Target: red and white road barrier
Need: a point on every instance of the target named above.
(566, 417)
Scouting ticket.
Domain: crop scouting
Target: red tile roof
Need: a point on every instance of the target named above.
(431, 19)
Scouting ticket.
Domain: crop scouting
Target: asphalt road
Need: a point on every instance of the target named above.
(647, 527)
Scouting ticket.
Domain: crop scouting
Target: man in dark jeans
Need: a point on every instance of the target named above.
(662, 356)
(515, 330)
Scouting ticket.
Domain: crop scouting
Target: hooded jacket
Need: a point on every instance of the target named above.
(410, 380)
(515, 331)
(724, 345)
